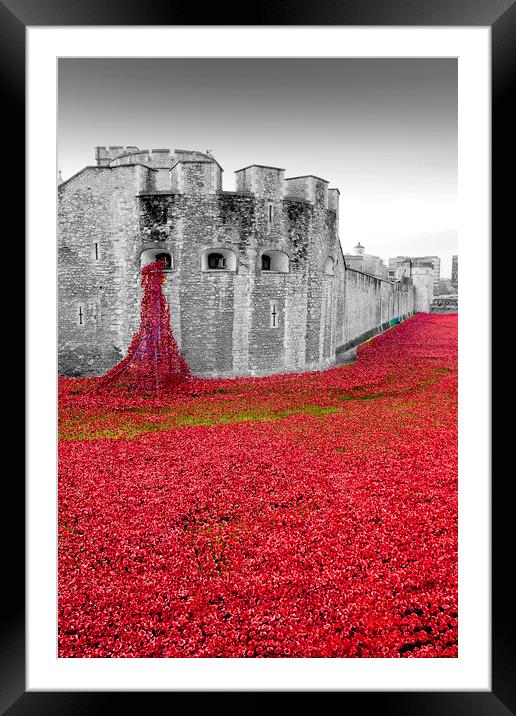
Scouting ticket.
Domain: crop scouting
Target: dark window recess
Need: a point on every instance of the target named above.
(216, 261)
(80, 316)
(96, 252)
(166, 258)
(266, 263)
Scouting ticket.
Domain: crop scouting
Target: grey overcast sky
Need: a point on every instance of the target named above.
(384, 131)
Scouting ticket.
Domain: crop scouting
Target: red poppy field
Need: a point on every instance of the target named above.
(308, 515)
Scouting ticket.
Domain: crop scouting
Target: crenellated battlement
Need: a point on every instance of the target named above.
(105, 155)
(121, 156)
(270, 183)
(309, 188)
(157, 158)
(186, 171)
(196, 176)
(263, 181)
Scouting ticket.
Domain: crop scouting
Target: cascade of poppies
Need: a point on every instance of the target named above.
(153, 361)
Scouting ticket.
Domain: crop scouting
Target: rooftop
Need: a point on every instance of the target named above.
(308, 176)
(262, 166)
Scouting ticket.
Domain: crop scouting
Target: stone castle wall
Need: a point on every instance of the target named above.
(241, 321)
(98, 236)
(369, 305)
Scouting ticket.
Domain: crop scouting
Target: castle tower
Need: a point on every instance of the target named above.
(256, 278)
(422, 276)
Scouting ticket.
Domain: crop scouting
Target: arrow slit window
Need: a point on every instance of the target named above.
(274, 314)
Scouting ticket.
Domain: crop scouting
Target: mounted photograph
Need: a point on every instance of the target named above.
(257, 264)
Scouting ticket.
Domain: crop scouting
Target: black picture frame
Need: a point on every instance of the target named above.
(500, 15)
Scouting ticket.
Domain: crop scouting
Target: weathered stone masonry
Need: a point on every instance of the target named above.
(233, 312)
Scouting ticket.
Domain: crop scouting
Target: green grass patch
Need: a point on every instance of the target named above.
(121, 426)
(129, 423)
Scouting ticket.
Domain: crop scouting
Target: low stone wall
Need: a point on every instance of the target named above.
(363, 337)
(370, 306)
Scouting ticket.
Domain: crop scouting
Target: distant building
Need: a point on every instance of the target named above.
(445, 287)
(433, 261)
(421, 273)
(422, 278)
(455, 272)
(366, 263)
